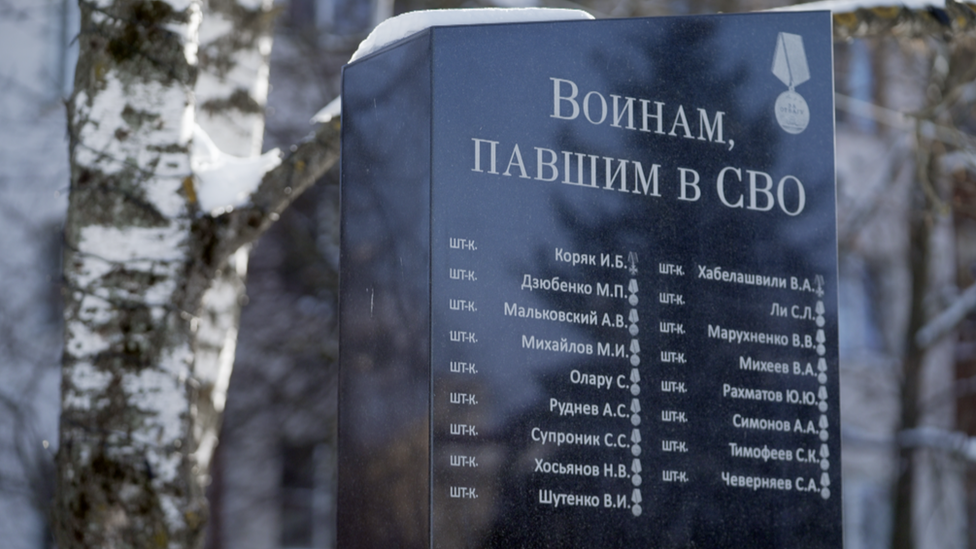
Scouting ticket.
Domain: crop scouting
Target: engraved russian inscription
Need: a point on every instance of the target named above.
(632, 286)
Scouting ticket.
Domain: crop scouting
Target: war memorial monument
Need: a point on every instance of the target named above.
(589, 287)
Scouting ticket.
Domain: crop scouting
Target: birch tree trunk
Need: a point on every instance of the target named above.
(139, 257)
(125, 477)
(231, 90)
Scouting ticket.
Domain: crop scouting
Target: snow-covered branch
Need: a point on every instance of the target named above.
(226, 181)
(310, 160)
(848, 6)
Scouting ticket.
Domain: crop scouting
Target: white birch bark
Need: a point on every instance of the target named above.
(128, 346)
(139, 256)
(231, 92)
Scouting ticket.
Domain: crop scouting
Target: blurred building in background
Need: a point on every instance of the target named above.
(272, 483)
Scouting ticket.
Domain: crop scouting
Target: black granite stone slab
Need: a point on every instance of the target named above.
(589, 287)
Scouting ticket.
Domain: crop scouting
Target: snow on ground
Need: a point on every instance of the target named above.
(400, 27)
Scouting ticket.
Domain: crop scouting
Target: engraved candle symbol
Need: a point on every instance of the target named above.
(790, 66)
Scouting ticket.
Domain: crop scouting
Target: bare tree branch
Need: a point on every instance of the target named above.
(905, 19)
(946, 321)
(905, 121)
(954, 442)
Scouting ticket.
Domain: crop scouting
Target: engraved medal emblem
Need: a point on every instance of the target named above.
(790, 66)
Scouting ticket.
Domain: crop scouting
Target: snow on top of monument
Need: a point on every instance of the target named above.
(843, 6)
(410, 23)
(407, 24)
